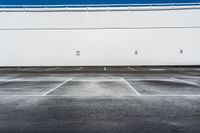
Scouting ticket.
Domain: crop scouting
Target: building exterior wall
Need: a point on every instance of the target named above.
(143, 37)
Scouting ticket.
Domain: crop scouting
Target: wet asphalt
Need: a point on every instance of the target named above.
(111, 100)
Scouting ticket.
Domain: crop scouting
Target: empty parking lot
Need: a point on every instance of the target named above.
(100, 99)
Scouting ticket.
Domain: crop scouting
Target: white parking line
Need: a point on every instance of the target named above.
(188, 77)
(185, 81)
(181, 95)
(78, 69)
(98, 80)
(105, 80)
(132, 88)
(157, 69)
(119, 79)
(184, 95)
(131, 69)
(46, 93)
(149, 79)
(10, 80)
(24, 69)
(51, 69)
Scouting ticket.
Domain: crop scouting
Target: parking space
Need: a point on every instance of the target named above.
(166, 87)
(100, 84)
(94, 89)
(44, 77)
(144, 101)
(98, 77)
(21, 87)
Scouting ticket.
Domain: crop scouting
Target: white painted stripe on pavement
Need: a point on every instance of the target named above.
(167, 95)
(187, 82)
(46, 93)
(157, 69)
(10, 80)
(132, 88)
(131, 69)
(97, 80)
(51, 69)
(78, 69)
(149, 95)
(24, 69)
(149, 79)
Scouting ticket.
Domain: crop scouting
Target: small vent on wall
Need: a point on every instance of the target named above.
(181, 51)
(77, 53)
(136, 52)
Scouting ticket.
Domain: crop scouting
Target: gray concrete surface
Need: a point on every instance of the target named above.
(144, 100)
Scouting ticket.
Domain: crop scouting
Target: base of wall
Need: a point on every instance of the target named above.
(101, 69)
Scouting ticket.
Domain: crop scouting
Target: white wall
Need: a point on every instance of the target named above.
(103, 38)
